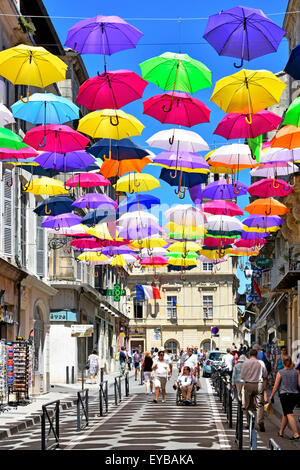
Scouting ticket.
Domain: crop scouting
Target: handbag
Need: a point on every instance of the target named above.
(269, 409)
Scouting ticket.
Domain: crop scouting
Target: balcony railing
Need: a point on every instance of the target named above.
(285, 272)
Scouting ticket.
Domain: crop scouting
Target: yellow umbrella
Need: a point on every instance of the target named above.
(215, 254)
(136, 182)
(218, 169)
(92, 256)
(110, 124)
(100, 231)
(184, 247)
(31, 65)
(247, 92)
(260, 229)
(149, 243)
(184, 262)
(45, 185)
(186, 231)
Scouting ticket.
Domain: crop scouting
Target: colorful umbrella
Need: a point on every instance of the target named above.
(85, 244)
(233, 156)
(30, 65)
(54, 206)
(61, 221)
(93, 257)
(185, 232)
(236, 251)
(182, 179)
(267, 206)
(149, 243)
(221, 207)
(23, 153)
(183, 247)
(10, 140)
(112, 89)
(243, 32)
(280, 155)
(136, 183)
(212, 242)
(137, 218)
(100, 231)
(219, 169)
(186, 214)
(65, 161)
(292, 115)
(139, 232)
(235, 126)
(287, 137)
(145, 252)
(123, 149)
(270, 188)
(192, 162)
(104, 214)
(293, 65)
(45, 185)
(224, 189)
(273, 170)
(94, 201)
(110, 123)
(223, 224)
(186, 110)
(87, 180)
(262, 223)
(120, 261)
(241, 243)
(155, 261)
(46, 108)
(178, 140)
(6, 116)
(55, 138)
(133, 202)
(114, 168)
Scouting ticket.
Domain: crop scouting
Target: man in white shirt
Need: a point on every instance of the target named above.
(169, 360)
(190, 360)
(228, 361)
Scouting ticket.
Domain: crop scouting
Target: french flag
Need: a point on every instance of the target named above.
(147, 292)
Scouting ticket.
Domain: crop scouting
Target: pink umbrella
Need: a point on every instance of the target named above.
(241, 243)
(86, 243)
(235, 126)
(185, 111)
(216, 242)
(55, 138)
(270, 188)
(154, 261)
(87, 180)
(22, 153)
(111, 90)
(222, 207)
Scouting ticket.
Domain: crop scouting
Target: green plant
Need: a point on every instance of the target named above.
(27, 26)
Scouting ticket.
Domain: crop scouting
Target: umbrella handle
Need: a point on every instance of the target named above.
(9, 184)
(240, 65)
(248, 121)
(117, 193)
(180, 193)
(274, 184)
(175, 174)
(182, 275)
(171, 140)
(47, 211)
(269, 211)
(68, 188)
(27, 99)
(26, 186)
(117, 121)
(44, 143)
(234, 187)
(170, 107)
(156, 277)
(57, 229)
(99, 253)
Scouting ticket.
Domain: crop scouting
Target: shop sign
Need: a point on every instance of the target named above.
(63, 315)
(116, 292)
(82, 331)
(257, 273)
(264, 262)
(253, 298)
(280, 343)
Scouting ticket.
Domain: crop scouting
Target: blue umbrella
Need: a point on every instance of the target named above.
(65, 161)
(182, 179)
(132, 202)
(99, 215)
(293, 65)
(46, 108)
(123, 149)
(54, 205)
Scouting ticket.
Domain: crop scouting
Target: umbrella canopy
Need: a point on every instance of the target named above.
(112, 168)
(224, 189)
(87, 180)
(222, 207)
(186, 215)
(10, 140)
(293, 65)
(139, 232)
(241, 243)
(182, 179)
(65, 161)
(272, 170)
(185, 232)
(62, 220)
(93, 201)
(86, 244)
(184, 262)
(178, 140)
(171, 71)
(100, 231)
(149, 243)
(215, 255)
(270, 188)
(158, 251)
(79, 230)
(235, 125)
(123, 149)
(46, 108)
(186, 110)
(122, 260)
(280, 155)
(107, 214)
(233, 156)
(182, 160)
(30, 65)
(219, 169)
(117, 250)
(95, 257)
(110, 123)
(287, 137)
(112, 89)
(212, 242)
(137, 218)
(223, 223)
(292, 115)
(22, 154)
(183, 247)
(247, 91)
(54, 206)
(262, 223)
(267, 206)
(6, 116)
(102, 35)
(133, 203)
(55, 138)
(136, 183)
(155, 261)
(243, 32)
(196, 193)
(237, 251)
(45, 185)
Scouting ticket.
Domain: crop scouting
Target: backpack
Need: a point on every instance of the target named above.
(267, 363)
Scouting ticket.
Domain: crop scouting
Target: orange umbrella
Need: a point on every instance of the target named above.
(287, 137)
(111, 168)
(267, 206)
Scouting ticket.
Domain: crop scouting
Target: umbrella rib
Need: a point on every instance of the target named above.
(228, 39)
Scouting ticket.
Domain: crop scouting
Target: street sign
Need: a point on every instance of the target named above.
(82, 331)
(263, 262)
(214, 330)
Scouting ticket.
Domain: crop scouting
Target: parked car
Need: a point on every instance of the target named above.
(215, 358)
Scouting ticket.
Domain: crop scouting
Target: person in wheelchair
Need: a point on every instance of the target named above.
(186, 384)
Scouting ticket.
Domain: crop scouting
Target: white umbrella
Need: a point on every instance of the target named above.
(6, 116)
(186, 214)
(237, 155)
(276, 154)
(136, 218)
(268, 171)
(157, 251)
(178, 140)
(223, 223)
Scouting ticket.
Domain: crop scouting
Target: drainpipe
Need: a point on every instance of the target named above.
(19, 308)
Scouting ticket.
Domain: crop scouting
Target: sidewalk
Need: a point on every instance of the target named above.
(24, 416)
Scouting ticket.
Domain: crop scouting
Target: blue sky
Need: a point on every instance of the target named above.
(158, 20)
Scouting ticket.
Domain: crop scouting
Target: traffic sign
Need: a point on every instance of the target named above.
(214, 330)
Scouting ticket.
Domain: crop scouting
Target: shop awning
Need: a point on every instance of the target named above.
(268, 308)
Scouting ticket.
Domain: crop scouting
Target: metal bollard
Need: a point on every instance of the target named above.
(252, 432)
(67, 374)
(73, 374)
(239, 425)
(273, 445)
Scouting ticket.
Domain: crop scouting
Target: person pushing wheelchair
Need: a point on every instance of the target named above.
(186, 382)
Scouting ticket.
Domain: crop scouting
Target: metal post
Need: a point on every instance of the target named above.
(120, 390)
(101, 374)
(239, 425)
(73, 375)
(115, 389)
(229, 406)
(67, 374)
(273, 445)
(252, 432)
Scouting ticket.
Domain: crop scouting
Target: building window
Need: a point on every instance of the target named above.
(171, 306)
(208, 306)
(207, 266)
(137, 308)
(40, 247)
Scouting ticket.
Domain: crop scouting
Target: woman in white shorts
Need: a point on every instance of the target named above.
(161, 370)
(147, 368)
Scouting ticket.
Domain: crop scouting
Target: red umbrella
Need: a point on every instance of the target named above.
(111, 90)
(87, 180)
(222, 207)
(235, 126)
(270, 187)
(185, 111)
(55, 138)
(154, 261)
(241, 243)
(22, 153)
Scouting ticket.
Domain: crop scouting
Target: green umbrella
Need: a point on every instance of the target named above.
(171, 71)
(292, 116)
(188, 255)
(10, 140)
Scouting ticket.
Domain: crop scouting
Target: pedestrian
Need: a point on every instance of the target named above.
(251, 373)
(279, 360)
(261, 356)
(161, 371)
(228, 361)
(287, 383)
(237, 382)
(186, 381)
(129, 360)
(123, 360)
(147, 367)
(191, 360)
(137, 359)
(152, 351)
(93, 363)
(168, 358)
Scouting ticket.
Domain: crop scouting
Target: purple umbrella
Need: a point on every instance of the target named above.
(181, 160)
(63, 220)
(262, 221)
(224, 189)
(242, 32)
(117, 250)
(65, 161)
(102, 35)
(93, 201)
(253, 235)
(196, 194)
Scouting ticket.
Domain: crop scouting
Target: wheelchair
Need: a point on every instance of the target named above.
(179, 400)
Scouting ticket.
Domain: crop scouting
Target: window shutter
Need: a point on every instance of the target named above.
(79, 271)
(7, 214)
(40, 248)
(24, 228)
